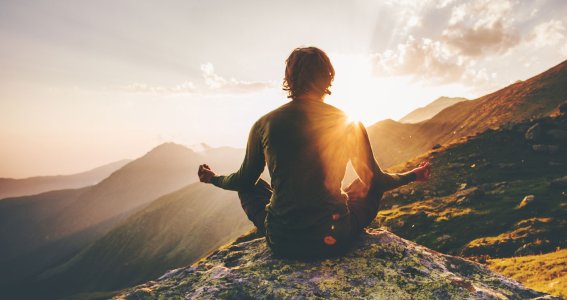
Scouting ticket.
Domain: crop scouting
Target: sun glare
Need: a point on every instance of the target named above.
(368, 98)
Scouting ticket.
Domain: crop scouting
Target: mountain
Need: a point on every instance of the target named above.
(538, 96)
(10, 187)
(430, 110)
(175, 230)
(47, 229)
(380, 266)
(498, 194)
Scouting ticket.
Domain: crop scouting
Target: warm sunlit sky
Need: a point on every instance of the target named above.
(84, 83)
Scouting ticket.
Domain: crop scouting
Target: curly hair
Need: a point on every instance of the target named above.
(308, 71)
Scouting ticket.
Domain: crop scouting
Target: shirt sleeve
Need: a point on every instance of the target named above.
(366, 166)
(252, 166)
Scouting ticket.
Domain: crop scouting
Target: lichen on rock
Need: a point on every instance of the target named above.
(380, 265)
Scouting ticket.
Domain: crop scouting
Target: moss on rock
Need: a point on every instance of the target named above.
(381, 265)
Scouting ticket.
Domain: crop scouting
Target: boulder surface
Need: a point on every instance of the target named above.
(380, 265)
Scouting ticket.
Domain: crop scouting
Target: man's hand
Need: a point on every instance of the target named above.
(205, 173)
(357, 190)
(422, 172)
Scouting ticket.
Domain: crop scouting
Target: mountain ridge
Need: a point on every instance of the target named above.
(11, 187)
(538, 96)
(428, 111)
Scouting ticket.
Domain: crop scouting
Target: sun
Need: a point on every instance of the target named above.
(354, 87)
(369, 98)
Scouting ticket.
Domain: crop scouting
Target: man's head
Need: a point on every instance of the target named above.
(308, 73)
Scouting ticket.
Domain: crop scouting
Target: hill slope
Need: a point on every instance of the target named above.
(381, 266)
(395, 142)
(84, 215)
(482, 181)
(501, 193)
(174, 230)
(430, 110)
(10, 187)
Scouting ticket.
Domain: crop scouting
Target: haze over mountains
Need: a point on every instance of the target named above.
(147, 216)
(396, 142)
(10, 187)
(174, 230)
(430, 110)
(45, 229)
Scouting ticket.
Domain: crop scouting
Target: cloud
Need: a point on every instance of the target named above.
(466, 37)
(183, 88)
(481, 27)
(429, 60)
(212, 84)
(547, 34)
(563, 50)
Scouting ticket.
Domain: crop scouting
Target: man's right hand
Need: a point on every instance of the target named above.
(422, 172)
(205, 173)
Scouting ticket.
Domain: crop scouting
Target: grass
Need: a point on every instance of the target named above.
(545, 272)
(494, 171)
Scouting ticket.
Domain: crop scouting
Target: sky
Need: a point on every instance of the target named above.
(85, 83)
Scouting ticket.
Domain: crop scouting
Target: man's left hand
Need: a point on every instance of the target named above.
(205, 173)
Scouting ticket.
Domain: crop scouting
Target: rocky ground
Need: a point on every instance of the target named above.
(380, 266)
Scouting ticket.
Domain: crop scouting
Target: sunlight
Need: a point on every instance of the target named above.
(368, 98)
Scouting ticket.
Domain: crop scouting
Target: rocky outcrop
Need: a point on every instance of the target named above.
(381, 265)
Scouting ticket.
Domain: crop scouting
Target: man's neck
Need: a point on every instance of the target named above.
(310, 98)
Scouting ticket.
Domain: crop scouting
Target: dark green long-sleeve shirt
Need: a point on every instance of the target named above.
(306, 146)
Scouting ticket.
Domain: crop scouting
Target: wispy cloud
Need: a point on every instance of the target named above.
(469, 37)
(212, 84)
(548, 33)
(429, 60)
(481, 27)
(217, 83)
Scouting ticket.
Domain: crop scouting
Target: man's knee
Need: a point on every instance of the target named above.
(254, 202)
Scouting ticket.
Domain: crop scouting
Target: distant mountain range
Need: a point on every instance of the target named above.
(395, 142)
(175, 230)
(427, 112)
(46, 229)
(10, 187)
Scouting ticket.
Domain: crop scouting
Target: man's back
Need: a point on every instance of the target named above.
(306, 148)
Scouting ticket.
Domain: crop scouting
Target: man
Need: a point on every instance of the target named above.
(306, 145)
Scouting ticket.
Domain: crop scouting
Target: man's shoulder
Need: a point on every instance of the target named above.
(281, 109)
(333, 109)
(268, 116)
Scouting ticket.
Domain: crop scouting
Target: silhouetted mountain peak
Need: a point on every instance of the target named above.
(169, 148)
(431, 109)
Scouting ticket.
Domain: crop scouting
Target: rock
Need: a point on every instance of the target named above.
(528, 200)
(536, 247)
(559, 182)
(559, 135)
(381, 265)
(467, 195)
(498, 188)
(474, 156)
(534, 133)
(551, 149)
(563, 108)
(506, 165)
(455, 165)
(436, 146)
